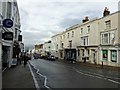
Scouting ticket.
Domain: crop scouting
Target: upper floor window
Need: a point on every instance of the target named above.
(15, 33)
(62, 45)
(60, 37)
(72, 33)
(84, 41)
(9, 9)
(64, 36)
(108, 24)
(68, 35)
(108, 37)
(70, 43)
(105, 38)
(88, 29)
(81, 31)
(57, 46)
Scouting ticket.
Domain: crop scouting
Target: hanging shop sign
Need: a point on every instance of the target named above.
(8, 23)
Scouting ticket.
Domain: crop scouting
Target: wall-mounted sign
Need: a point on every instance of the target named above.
(8, 23)
(7, 35)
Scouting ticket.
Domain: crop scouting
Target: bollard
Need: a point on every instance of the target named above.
(102, 64)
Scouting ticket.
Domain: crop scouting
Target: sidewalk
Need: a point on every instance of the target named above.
(18, 77)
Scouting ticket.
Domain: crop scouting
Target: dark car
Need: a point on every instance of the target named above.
(51, 57)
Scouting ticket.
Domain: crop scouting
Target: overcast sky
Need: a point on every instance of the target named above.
(41, 19)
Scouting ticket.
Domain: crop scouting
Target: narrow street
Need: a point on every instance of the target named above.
(59, 74)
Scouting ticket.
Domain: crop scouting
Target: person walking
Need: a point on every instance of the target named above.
(25, 58)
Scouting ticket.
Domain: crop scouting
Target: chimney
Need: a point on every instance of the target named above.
(86, 19)
(106, 12)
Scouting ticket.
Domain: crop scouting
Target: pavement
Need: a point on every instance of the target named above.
(18, 77)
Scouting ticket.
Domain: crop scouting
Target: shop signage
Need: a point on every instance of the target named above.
(8, 23)
(7, 35)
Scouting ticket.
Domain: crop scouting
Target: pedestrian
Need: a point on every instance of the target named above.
(25, 58)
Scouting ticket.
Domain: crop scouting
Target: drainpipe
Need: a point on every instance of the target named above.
(1, 57)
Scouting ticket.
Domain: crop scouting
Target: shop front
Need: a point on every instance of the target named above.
(109, 56)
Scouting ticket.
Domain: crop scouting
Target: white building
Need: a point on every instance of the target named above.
(95, 41)
(8, 10)
(48, 48)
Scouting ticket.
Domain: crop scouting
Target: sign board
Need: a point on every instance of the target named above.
(14, 61)
(7, 35)
(8, 23)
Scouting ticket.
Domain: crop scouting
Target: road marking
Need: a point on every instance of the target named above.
(35, 81)
(45, 82)
(93, 75)
(4, 69)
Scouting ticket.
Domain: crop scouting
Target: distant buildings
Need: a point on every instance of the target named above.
(8, 48)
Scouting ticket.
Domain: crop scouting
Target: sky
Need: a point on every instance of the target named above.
(41, 19)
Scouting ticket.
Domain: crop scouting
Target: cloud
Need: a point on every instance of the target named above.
(40, 19)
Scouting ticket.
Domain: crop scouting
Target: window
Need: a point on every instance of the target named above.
(62, 45)
(84, 40)
(72, 33)
(108, 24)
(113, 55)
(112, 37)
(105, 38)
(78, 52)
(60, 37)
(9, 9)
(70, 43)
(68, 35)
(4, 9)
(88, 29)
(105, 54)
(57, 46)
(64, 36)
(15, 33)
(83, 52)
(81, 31)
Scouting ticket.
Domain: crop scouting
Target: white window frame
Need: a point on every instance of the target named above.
(103, 38)
(84, 41)
(108, 24)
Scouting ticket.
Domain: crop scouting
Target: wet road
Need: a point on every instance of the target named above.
(66, 75)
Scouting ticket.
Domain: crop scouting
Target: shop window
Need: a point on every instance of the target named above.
(113, 55)
(105, 54)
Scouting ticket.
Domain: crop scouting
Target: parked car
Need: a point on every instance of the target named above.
(51, 57)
